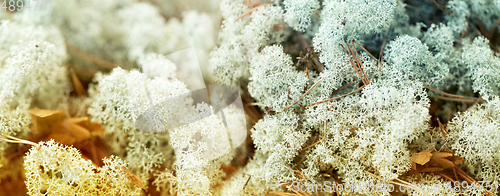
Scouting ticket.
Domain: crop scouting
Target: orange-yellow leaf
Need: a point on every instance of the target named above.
(62, 138)
(422, 157)
(431, 169)
(43, 119)
(439, 159)
(56, 125)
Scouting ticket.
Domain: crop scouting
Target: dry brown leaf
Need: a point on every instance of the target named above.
(432, 161)
(431, 169)
(439, 159)
(56, 125)
(422, 157)
(62, 138)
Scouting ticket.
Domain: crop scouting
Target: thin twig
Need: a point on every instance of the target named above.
(97, 61)
(354, 66)
(357, 64)
(358, 60)
(258, 3)
(454, 99)
(17, 140)
(381, 56)
(78, 85)
(471, 180)
(343, 87)
(253, 9)
(365, 50)
(315, 84)
(494, 28)
(413, 7)
(332, 99)
(310, 146)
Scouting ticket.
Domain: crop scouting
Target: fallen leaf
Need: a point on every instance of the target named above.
(56, 125)
(439, 159)
(431, 169)
(422, 157)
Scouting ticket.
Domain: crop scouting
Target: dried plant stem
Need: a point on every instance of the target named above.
(470, 100)
(132, 177)
(381, 56)
(97, 61)
(310, 146)
(358, 60)
(252, 4)
(471, 180)
(332, 99)
(364, 49)
(354, 66)
(343, 87)
(451, 97)
(17, 140)
(315, 84)
(78, 85)
(253, 9)
(283, 193)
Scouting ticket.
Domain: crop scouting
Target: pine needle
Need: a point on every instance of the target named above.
(253, 9)
(315, 84)
(354, 66)
(78, 85)
(335, 98)
(17, 140)
(97, 61)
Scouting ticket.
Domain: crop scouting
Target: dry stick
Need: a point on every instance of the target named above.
(381, 56)
(132, 177)
(320, 102)
(360, 64)
(253, 9)
(352, 63)
(17, 140)
(97, 61)
(315, 84)
(440, 7)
